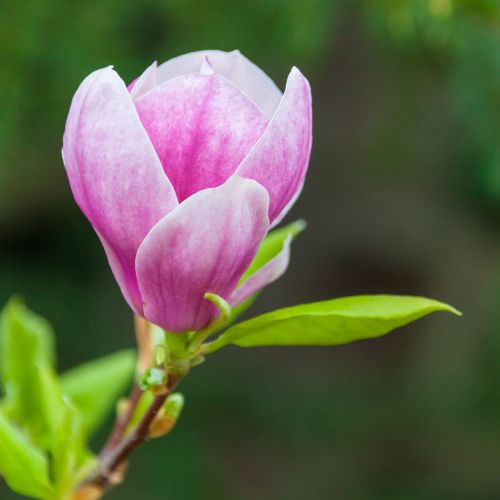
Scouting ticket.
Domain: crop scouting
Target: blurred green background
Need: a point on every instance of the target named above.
(403, 196)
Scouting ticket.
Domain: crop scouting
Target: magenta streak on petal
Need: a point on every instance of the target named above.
(114, 173)
(268, 273)
(204, 245)
(202, 127)
(248, 77)
(280, 158)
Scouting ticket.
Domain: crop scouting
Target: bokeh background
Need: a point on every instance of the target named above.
(403, 196)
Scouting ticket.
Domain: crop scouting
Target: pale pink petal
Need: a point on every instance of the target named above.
(248, 77)
(201, 126)
(144, 83)
(114, 173)
(288, 206)
(206, 67)
(280, 158)
(204, 245)
(268, 273)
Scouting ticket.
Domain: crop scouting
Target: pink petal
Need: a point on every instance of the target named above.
(288, 206)
(268, 273)
(248, 77)
(201, 126)
(144, 83)
(204, 245)
(114, 173)
(206, 68)
(280, 158)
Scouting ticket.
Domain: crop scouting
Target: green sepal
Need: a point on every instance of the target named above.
(331, 322)
(177, 344)
(24, 467)
(223, 307)
(95, 386)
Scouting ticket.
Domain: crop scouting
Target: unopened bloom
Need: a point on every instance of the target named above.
(183, 173)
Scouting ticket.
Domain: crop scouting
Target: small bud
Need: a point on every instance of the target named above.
(152, 378)
(174, 405)
(168, 416)
(88, 493)
(161, 425)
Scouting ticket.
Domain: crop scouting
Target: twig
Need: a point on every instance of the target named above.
(113, 459)
(123, 421)
(142, 335)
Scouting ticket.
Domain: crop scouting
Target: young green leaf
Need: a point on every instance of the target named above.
(272, 246)
(269, 248)
(27, 352)
(23, 466)
(95, 386)
(48, 391)
(67, 450)
(331, 322)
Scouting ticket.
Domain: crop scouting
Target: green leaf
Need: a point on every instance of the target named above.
(331, 322)
(68, 450)
(24, 467)
(244, 306)
(27, 353)
(272, 246)
(95, 386)
(48, 390)
(269, 248)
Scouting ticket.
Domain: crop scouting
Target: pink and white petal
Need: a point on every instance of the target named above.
(114, 173)
(204, 245)
(125, 277)
(144, 83)
(264, 276)
(288, 206)
(247, 76)
(202, 127)
(206, 68)
(280, 158)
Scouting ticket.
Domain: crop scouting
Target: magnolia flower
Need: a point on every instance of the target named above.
(183, 173)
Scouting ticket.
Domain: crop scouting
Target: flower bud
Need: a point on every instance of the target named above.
(183, 173)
